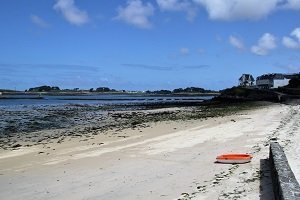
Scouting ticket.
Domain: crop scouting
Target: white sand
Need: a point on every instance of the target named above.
(159, 163)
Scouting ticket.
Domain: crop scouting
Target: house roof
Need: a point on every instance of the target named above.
(275, 76)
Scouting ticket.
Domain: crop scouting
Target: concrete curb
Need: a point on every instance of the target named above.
(285, 185)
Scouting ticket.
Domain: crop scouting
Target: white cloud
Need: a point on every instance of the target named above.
(236, 42)
(238, 9)
(136, 13)
(296, 33)
(71, 13)
(229, 10)
(173, 5)
(266, 43)
(178, 5)
(245, 9)
(38, 21)
(292, 43)
(292, 4)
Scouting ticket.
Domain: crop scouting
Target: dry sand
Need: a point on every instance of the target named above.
(168, 160)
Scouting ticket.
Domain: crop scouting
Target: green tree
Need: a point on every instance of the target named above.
(103, 89)
(294, 82)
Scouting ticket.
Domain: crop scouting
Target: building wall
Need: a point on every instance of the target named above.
(264, 83)
(280, 83)
(272, 83)
(246, 83)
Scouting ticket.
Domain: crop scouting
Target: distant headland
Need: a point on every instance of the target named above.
(55, 90)
(268, 87)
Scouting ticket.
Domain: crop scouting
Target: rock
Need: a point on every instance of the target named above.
(16, 146)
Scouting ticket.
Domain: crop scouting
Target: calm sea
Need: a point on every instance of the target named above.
(95, 99)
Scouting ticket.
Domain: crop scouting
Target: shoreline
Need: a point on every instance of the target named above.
(147, 162)
(32, 125)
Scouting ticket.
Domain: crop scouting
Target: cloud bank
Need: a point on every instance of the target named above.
(138, 12)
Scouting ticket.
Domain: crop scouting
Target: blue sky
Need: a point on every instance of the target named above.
(145, 44)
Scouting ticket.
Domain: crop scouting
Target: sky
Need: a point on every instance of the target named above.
(145, 44)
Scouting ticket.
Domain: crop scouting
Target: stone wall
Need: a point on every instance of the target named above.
(285, 185)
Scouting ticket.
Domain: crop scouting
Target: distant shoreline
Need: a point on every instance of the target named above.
(6, 95)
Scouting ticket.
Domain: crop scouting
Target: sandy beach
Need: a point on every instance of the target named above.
(173, 159)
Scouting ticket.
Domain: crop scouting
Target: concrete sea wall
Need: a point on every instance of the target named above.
(285, 185)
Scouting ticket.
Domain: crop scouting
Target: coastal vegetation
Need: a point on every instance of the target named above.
(44, 88)
(188, 90)
(280, 94)
(294, 82)
(247, 94)
(6, 90)
(293, 88)
(107, 90)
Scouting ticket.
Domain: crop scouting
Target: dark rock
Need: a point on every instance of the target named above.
(16, 146)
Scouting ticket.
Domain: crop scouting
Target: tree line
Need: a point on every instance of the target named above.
(181, 90)
(46, 88)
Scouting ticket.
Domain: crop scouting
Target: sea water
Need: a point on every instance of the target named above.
(15, 100)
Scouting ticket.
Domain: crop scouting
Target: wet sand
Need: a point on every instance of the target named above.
(171, 159)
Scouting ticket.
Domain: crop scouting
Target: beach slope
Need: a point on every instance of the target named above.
(165, 160)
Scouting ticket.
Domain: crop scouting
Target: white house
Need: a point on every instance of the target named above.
(246, 80)
(275, 80)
